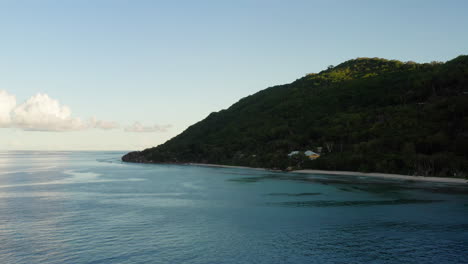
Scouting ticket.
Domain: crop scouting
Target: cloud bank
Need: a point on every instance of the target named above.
(42, 113)
(139, 128)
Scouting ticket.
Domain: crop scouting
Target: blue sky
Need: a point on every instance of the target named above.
(168, 64)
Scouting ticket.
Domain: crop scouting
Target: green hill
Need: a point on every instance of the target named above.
(366, 114)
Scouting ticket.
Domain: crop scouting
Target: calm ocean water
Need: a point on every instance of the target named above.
(88, 207)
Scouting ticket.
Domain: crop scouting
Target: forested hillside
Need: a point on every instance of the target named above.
(366, 114)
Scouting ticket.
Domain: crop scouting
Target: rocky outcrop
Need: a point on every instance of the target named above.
(134, 156)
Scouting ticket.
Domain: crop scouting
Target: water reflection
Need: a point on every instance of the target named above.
(91, 208)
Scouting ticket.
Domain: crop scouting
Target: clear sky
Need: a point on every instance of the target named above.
(95, 74)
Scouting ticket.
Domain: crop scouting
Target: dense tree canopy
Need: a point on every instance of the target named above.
(366, 114)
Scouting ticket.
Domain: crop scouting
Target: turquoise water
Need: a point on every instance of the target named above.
(88, 207)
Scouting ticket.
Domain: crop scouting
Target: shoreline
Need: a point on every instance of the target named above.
(386, 176)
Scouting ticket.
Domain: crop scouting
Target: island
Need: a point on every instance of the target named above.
(363, 115)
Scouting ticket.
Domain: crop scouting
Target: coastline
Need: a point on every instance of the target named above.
(386, 176)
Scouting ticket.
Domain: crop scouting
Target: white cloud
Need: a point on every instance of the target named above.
(42, 113)
(138, 127)
(101, 124)
(7, 103)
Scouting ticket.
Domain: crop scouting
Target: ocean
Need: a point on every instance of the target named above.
(89, 207)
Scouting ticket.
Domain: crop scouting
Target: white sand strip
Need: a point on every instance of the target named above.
(385, 176)
(352, 173)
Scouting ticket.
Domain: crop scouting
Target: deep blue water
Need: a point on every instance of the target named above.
(88, 207)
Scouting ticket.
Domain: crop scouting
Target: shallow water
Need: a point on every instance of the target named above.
(88, 207)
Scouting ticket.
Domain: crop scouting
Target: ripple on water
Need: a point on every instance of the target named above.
(293, 194)
(96, 213)
(331, 203)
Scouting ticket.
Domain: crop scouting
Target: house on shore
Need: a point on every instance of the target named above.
(312, 155)
(309, 153)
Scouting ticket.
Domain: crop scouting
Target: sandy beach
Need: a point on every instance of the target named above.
(385, 176)
(352, 173)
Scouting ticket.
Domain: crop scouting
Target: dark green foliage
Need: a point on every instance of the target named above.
(367, 114)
